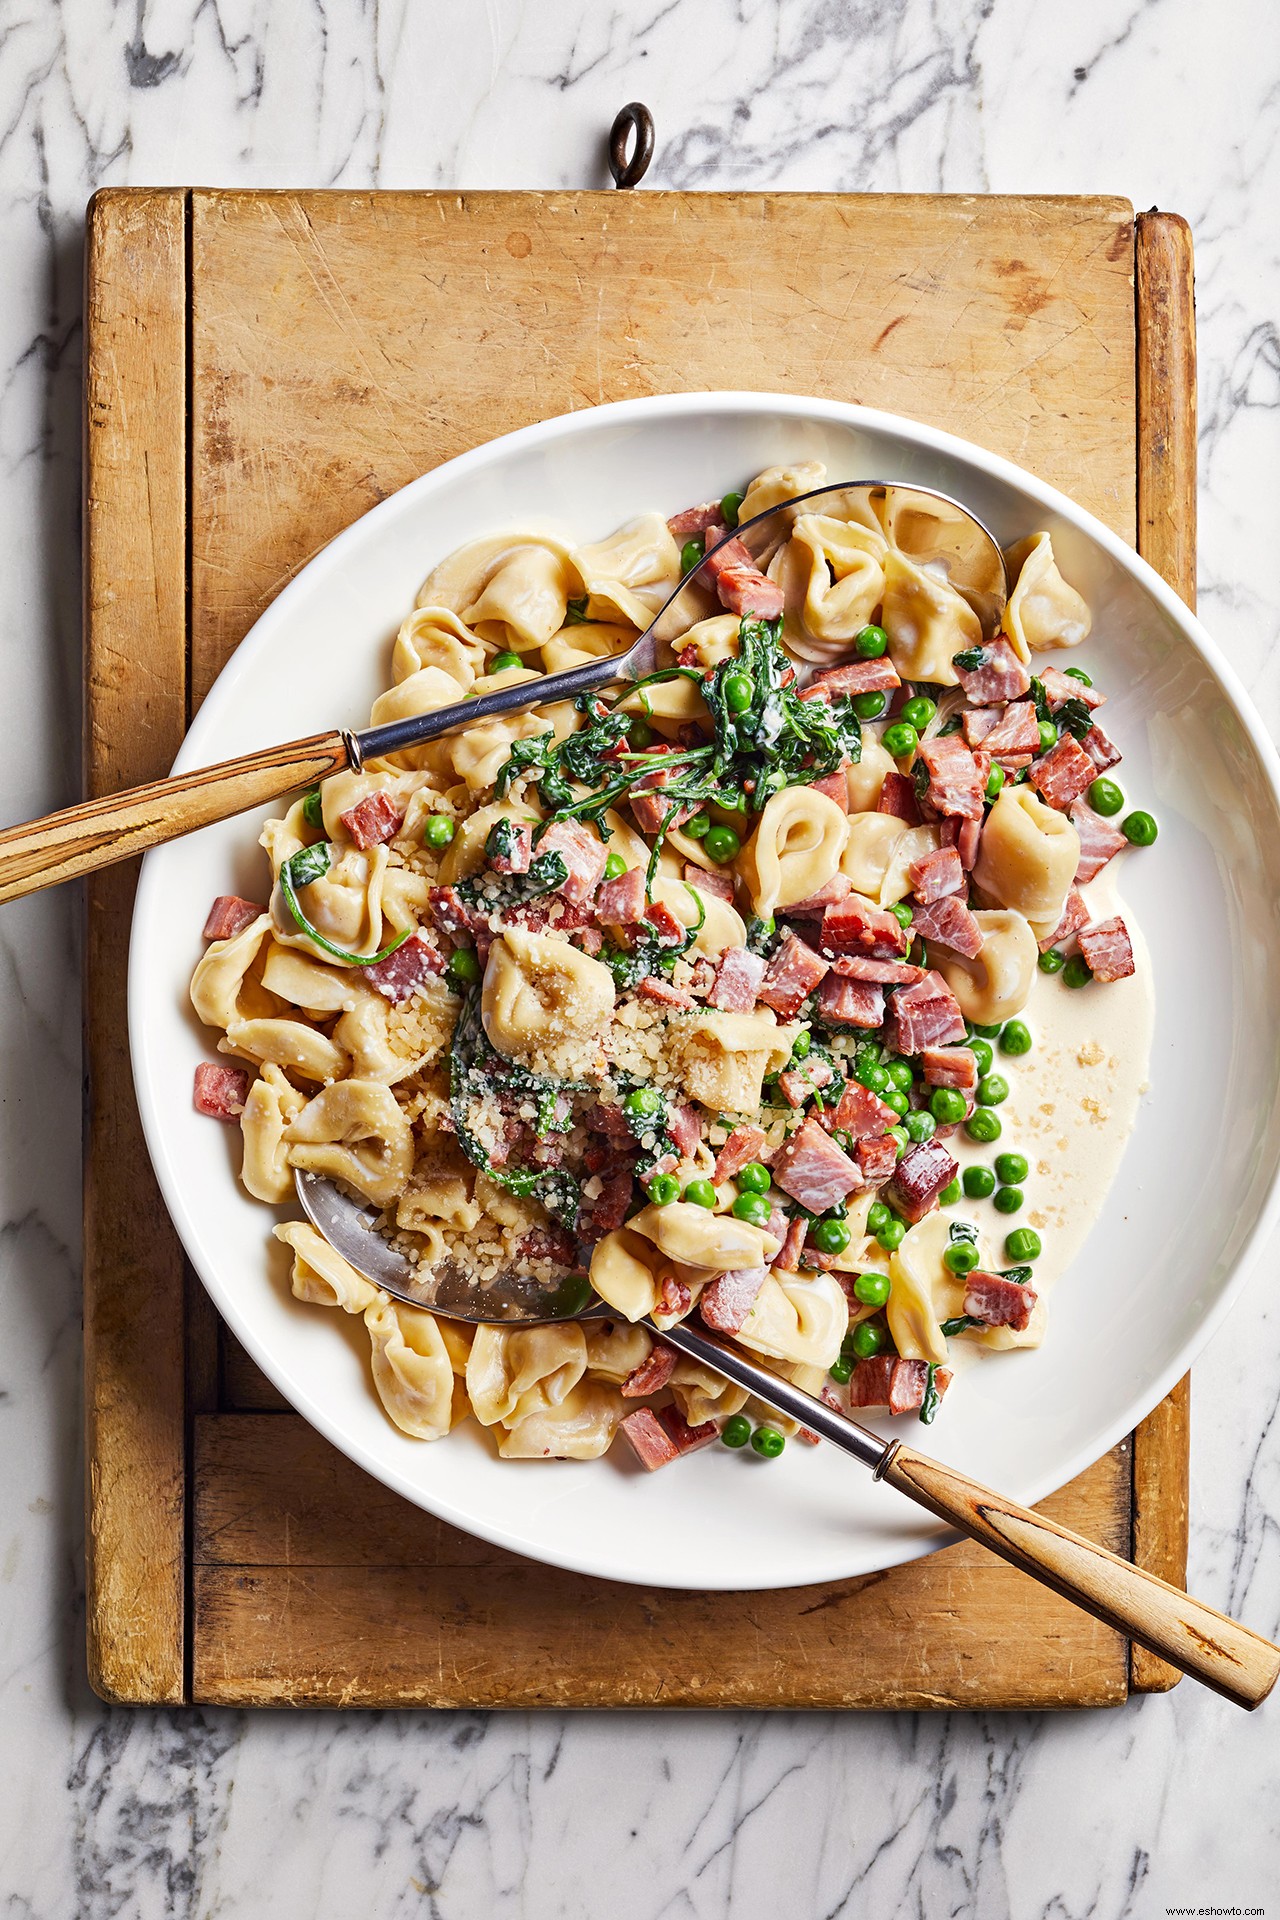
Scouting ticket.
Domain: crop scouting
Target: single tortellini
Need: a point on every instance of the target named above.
(579, 1427)
(270, 1104)
(1028, 855)
(716, 1242)
(865, 777)
(615, 1348)
(797, 1318)
(479, 755)
(632, 572)
(997, 984)
(344, 903)
(435, 637)
(320, 1275)
(222, 986)
(545, 1002)
(1042, 610)
(713, 640)
(379, 1052)
(669, 704)
(835, 569)
(624, 1273)
(723, 1057)
(722, 926)
(423, 692)
(515, 1369)
(794, 850)
(926, 620)
(702, 1395)
(411, 1368)
(442, 1191)
(924, 1292)
(590, 640)
(909, 846)
(286, 1043)
(313, 985)
(465, 855)
(776, 484)
(355, 1132)
(511, 589)
(868, 850)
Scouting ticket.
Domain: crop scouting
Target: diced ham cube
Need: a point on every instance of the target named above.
(719, 884)
(861, 1114)
(998, 678)
(877, 1159)
(743, 1145)
(1059, 686)
(936, 874)
(887, 973)
(860, 676)
(684, 1124)
(926, 1015)
(949, 923)
(1102, 751)
(220, 1092)
(998, 1302)
(518, 852)
(450, 912)
(854, 925)
(791, 976)
(1075, 915)
(738, 979)
(1016, 732)
(406, 971)
(814, 1170)
(978, 722)
(674, 1298)
(669, 930)
(788, 1256)
(1107, 949)
(727, 1300)
(835, 786)
(230, 915)
(955, 1067)
(621, 902)
(650, 1441)
(954, 787)
(683, 1437)
(814, 905)
(898, 796)
(1063, 773)
(582, 851)
(869, 1381)
(661, 993)
(606, 1213)
(694, 520)
(800, 1083)
(651, 1376)
(373, 820)
(1099, 841)
(964, 836)
(650, 810)
(919, 1178)
(900, 1385)
(739, 583)
(851, 1003)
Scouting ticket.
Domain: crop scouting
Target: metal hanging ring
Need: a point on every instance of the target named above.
(635, 118)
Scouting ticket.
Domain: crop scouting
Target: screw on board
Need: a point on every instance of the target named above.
(635, 118)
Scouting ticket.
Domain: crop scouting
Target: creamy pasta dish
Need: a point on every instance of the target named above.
(708, 989)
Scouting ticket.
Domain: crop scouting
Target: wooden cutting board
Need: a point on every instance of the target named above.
(261, 368)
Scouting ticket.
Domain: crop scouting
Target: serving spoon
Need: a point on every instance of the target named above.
(1229, 1658)
(930, 528)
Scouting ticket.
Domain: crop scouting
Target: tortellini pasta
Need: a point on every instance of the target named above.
(832, 572)
(631, 572)
(997, 984)
(1042, 610)
(623, 1273)
(926, 620)
(544, 1001)
(270, 1105)
(795, 850)
(512, 1371)
(320, 1274)
(435, 637)
(797, 1317)
(723, 1057)
(355, 1131)
(411, 1368)
(512, 589)
(579, 1427)
(868, 850)
(1028, 855)
(865, 777)
(716, 1242)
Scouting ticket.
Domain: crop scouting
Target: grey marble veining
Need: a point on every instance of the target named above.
(107, 1812)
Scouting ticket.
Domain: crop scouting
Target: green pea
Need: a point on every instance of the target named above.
(1007, 1199)
(463, 968)
(899, 1134)
(921, 1125)
(501, 661)
(983, 1124)
(890, 1237)
(1077, 972)
(1105, 796)
(874, 1078)
(1016, 1038)
(995, 780)
(919, 712)
(878, 1215)
(1078, 673)
(663, 1189)
(803, 1042)
(978, 1182)
(700, 1193)
(831, 1236)
(947, 1106)
(643, 1101)
(1051, 961)
(900, 1075)
(739, 692)
(949, 1195)
(901, 739)
(691, 554)
(872, 1289)
(730, 507)
(867, 1339)
(768, 1442)
(753, 1178)
(987, 1033)
(722, 843)
(961, 1256)
(871, 643)
(1012, 1168)
(869, 706)
(993, 1088)
(1021, 1245)
(640, 733)
(981, 1051)
(614, 867)
(841, 1370)
(755, 1210)
(439, 830)
(1139, 829)
(313, 810)
(736, 1431)
(698, 827)
(1048, 735)
(898, 1101)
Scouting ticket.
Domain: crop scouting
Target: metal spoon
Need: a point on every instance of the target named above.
(933, 530)
(1204, 1643)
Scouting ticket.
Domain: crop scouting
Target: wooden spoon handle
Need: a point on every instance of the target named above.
(1221, 1653)
(100, 832)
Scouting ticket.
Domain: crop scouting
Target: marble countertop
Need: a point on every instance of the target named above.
(1167, 1802)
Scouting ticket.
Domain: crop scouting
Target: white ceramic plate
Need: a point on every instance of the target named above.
(1196, 1188)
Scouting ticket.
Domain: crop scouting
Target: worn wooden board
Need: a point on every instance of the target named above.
(335, 346)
